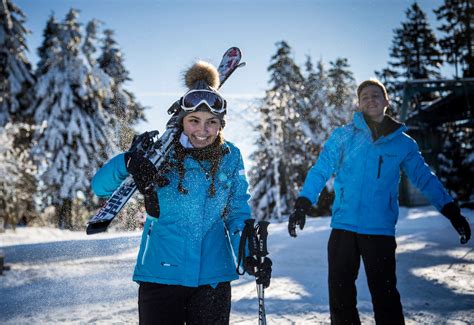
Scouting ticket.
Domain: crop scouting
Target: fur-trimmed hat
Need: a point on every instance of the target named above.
(201, 75)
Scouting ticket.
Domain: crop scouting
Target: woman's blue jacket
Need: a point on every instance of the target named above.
(367, 175)
(189, 243)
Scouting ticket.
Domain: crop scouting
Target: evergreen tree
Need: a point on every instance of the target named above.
(341, 99)
(280, 132)
(73, 136)
(16, 77)
(313, 122)
(17, 176)
(265, 177)
(50, 39)
(16, 96)
(456, 160)
(123, 104)
(90, 39)
(414, 50)
(458, 42)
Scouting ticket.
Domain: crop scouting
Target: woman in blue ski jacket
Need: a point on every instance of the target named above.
(366, 157)
(194, 217)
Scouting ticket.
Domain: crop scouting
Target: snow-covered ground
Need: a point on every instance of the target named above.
(68, 277)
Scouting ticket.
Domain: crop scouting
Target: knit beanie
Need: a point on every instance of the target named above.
(201, 75)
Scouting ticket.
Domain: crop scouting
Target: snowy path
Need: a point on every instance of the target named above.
(59, 276)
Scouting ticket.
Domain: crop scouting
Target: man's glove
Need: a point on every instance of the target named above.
(453, 213)
(262, 271)
(298, 217)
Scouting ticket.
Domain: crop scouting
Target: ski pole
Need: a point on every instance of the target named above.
(261, 234)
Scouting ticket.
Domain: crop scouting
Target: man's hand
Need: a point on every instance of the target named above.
(459, 222)
(298, 217)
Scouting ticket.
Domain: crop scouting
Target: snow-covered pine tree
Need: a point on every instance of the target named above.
(282, 135)
(16, 78)
(90, 40)
(341, 93)
(458, 28)
(123, 104)
(73, 138)
(17, 176)
(16, 96)
(46, 49)
(265, 176)
(315, 125)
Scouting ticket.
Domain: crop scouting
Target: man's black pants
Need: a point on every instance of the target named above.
(174, 304)
(345, 248)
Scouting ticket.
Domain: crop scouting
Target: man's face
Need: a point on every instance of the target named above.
(372, 102)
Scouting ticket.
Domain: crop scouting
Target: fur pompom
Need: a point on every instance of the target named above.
(204, 71)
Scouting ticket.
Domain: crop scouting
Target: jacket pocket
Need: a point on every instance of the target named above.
(380, 166)
(147, 242)
(339, 201)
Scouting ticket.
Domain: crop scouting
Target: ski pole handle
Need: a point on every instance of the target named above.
(262, 231)
(252, 238)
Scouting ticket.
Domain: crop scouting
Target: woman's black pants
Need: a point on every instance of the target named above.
(345, 248)
(174, 304)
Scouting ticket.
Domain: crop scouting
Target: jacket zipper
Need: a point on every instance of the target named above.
(146, 243)
(380, 166)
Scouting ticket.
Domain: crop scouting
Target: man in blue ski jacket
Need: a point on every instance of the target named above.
(366, 157)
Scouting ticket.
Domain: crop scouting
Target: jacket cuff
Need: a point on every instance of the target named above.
(303, 203)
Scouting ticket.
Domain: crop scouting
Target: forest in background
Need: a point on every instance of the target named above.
(62, 119)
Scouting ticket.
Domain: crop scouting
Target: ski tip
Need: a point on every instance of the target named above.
(95, 228)
(233, 51)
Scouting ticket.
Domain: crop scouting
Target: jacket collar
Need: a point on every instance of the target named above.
(389, 127)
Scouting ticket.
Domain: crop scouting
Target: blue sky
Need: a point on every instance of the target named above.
(159, 39)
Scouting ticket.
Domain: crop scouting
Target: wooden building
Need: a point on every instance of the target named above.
(454, 105)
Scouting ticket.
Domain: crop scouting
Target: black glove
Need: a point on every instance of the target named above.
(146, 177)
(459, 222)
(144, 172)
(262, 271)
(298, 217)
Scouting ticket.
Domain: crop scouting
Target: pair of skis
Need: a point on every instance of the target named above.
(156, 150)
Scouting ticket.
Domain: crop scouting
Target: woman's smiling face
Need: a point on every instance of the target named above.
(201, 128)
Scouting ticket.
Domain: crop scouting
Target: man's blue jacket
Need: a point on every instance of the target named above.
(367, 175)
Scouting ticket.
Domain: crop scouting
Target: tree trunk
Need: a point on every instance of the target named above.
(64, 214)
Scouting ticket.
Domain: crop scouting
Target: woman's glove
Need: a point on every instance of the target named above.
(146, 177)
(453, 213)
(261, 270)
(142, 171)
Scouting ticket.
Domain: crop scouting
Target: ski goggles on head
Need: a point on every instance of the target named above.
(194, 98)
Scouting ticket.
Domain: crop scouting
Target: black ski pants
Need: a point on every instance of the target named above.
(174, 304)
(345, 248)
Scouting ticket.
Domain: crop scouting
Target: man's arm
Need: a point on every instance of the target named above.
(422, 177)
(316, 179)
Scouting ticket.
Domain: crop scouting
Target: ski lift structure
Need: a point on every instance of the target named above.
(452, 103)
